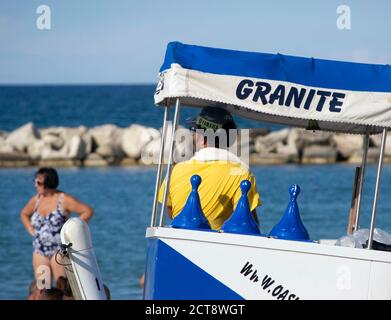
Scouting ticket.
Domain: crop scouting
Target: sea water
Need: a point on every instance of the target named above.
(122, 199)
(72, 106)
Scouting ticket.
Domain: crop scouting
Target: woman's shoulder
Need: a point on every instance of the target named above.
(66, 197)
(35, 198)
(33, 202)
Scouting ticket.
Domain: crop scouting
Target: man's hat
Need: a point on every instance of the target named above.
(212, 118)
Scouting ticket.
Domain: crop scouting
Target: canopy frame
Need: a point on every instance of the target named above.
(377, 188)
(164, 207)
(160, 164)
(362, 177)
(169, 163)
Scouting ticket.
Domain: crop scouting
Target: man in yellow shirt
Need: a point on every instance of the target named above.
(220, 170)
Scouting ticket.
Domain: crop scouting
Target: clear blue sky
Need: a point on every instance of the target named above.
(123, 41)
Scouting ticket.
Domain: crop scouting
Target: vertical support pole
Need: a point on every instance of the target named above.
(170, 161)
(377, 186)
(353, 205)
(160, 165)
(362, 177)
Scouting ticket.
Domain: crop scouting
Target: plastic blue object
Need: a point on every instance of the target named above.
(192, 216)
(290, 226)
(241, 220)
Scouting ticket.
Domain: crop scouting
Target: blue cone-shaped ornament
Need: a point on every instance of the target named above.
(192, 216)
(290, 226)
(241, 220)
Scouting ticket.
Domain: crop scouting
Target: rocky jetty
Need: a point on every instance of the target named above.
(138, 145)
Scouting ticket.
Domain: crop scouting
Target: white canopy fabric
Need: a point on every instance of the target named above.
(304, 92)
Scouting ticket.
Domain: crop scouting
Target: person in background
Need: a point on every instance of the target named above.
(43, 217)
(142, 281)
(45, 294)
(107, 291)
(63, 284)
(51, 294)
(34, 292)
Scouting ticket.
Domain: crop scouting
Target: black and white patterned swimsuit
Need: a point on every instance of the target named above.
(47, 229)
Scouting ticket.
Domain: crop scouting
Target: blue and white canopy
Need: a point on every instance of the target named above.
(303, 92)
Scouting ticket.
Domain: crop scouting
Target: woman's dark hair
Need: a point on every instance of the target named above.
(51, 294)
(64, 285)
(50, 176)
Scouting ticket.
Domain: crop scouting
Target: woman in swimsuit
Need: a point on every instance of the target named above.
(45, 214)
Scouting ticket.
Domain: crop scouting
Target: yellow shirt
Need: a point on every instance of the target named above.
(219, 190)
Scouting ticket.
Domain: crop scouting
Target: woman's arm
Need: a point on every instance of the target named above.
(71, 204)
(25, 215)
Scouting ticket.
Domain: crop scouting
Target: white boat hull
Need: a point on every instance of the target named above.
(187, 264)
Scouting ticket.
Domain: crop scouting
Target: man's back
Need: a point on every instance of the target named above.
(219, 190)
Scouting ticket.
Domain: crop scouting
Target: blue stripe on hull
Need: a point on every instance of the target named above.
(171, 276)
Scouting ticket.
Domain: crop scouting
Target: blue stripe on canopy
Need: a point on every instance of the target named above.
(305, 71)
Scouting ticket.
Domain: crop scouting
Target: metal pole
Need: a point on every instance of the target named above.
(169, 164)
(375, 200)
(160, 165)
(362, 177)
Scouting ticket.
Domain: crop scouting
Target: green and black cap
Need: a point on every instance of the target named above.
(214, 118)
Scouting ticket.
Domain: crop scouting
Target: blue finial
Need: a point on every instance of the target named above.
(245, 186)
(241, 220)
(294, 191)
(290, 226)
(192, 216)
(195, 181)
